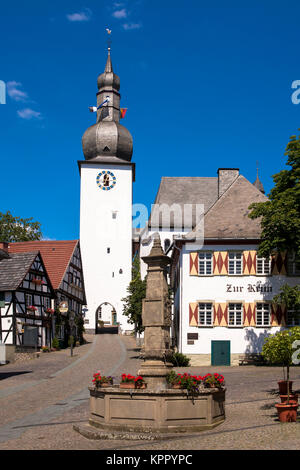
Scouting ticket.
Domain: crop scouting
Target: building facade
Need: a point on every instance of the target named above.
(223, 290)
(62, 261)
(26, 296)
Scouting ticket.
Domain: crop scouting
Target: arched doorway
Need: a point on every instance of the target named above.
(106, 319)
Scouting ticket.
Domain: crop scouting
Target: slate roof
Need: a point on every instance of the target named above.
(56, 256)
(228, 217)
(187, 190)
(14, 269)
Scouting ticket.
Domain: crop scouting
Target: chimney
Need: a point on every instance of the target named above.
(226, 176)
(4, 250)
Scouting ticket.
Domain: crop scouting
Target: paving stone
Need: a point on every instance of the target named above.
(42, 400)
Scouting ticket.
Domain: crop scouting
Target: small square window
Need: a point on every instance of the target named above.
(262, 314)
(235, 262)
(263, 266)
(235, 314)
(205, 314)
(205, 263)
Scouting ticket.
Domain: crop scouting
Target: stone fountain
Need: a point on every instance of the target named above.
(157, 410)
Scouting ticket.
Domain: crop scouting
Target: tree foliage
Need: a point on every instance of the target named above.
(16, 229)
(278, 348)
(290, 297)
(136, 293)
(280, 215)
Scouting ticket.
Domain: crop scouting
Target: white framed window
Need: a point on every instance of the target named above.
(263, 314)
(28, 300)
(292, 318)
(293, 264)
(235, 262)
(235, 314)
(47, 302)
(205, 314)
(205, 263)
(263, 266)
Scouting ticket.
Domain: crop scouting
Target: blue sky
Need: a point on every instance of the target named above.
(206, 84)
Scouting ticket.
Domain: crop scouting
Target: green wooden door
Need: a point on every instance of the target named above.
(220, 353)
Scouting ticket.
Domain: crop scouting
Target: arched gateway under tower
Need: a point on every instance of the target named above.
(106, 319)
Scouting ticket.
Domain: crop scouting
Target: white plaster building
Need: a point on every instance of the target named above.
(223, 291)
(107, 174)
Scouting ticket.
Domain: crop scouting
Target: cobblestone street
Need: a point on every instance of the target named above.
(42, 399)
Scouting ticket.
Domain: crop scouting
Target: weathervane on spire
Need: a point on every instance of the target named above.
(108, 39)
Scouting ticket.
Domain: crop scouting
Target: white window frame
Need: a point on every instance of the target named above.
(292, 262)
(28, 304)
(292, 321)
(263, 313)
(206, 262)
(235, 262)
(235, 308)
(264, 264)
(46, 302)
(207, 309)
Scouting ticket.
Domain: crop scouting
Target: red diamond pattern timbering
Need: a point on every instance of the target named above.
(194, 264)
(220, 310)
(249, 262)
(220, 262)
(193, 314)
(249, 314)
(278, 315)
(278, 266)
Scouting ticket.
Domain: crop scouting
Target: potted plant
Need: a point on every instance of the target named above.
(173, 379)
(213, 380)
(189, 382)
(278, 349)
(139, 382)
(101, 381)
(38, 281)
(127, 381)
(50, 311)
(31, 308)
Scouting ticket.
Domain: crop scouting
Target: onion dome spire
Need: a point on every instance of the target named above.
(107, 140)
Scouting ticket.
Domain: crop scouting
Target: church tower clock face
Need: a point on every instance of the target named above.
(106, 180)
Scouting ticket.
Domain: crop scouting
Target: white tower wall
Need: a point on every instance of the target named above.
(106, 225)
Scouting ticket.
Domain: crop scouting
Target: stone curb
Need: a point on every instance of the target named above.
(91, 433)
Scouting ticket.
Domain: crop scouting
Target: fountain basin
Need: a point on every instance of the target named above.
(164, 411)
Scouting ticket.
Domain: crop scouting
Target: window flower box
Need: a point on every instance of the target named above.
(31, 308)
(49, 310)
(101, 381)
(38, 282)
(130, 381)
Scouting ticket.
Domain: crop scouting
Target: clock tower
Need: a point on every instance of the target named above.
(106, 175)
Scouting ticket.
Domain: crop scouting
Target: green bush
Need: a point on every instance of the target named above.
(179, 360)
(55, 343)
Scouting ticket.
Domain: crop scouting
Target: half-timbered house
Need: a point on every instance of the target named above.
(26, 295)
(63, 263)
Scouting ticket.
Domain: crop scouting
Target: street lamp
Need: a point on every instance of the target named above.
(71, 324)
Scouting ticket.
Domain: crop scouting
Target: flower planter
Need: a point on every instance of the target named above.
(176, 386)
(287, 413)
(127, 385)
(293, 398)
(142, 386)
(104, 385)
(283, 387)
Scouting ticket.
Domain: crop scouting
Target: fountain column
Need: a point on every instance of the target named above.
(156, 318)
